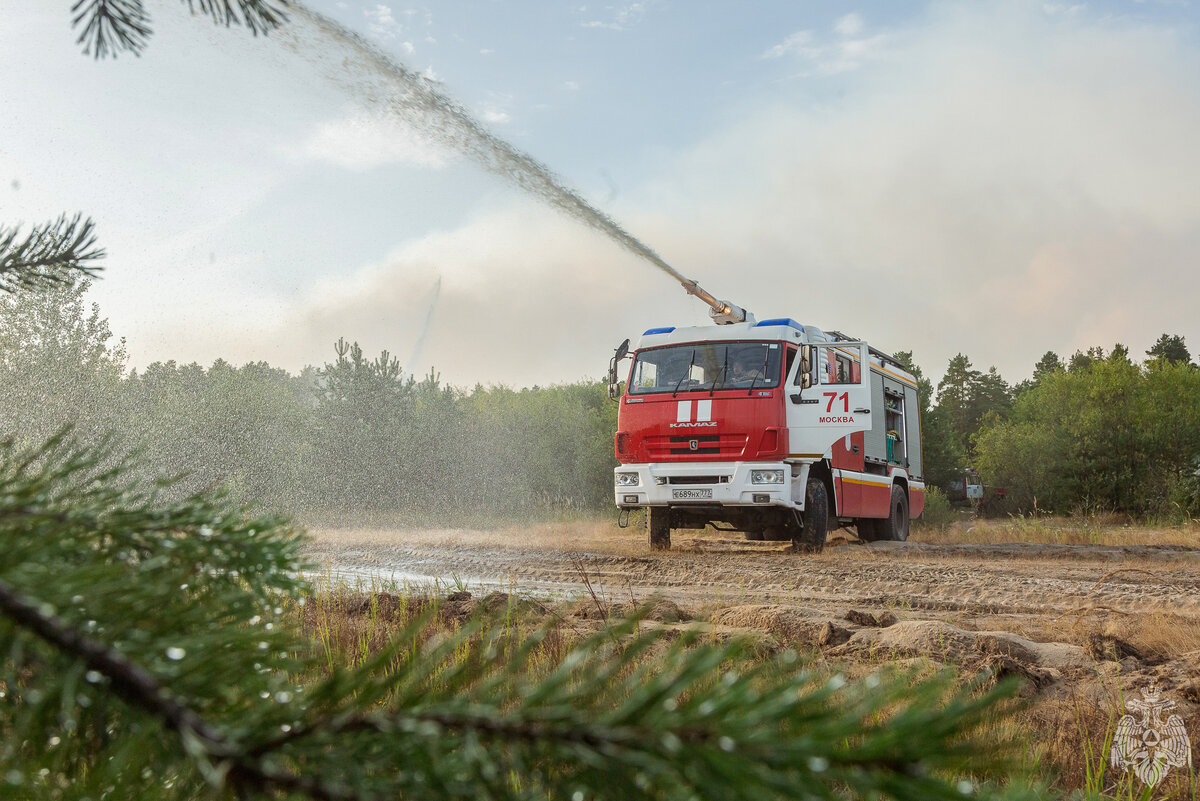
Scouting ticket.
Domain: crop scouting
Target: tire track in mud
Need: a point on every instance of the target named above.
(1014, 579)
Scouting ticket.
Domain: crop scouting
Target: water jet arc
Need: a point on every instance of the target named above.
(447, 123)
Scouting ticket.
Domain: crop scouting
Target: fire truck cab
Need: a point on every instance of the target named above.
(772, 428)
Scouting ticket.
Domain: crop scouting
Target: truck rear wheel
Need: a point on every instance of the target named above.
(895, 526)
(658, 521)
(811, 538)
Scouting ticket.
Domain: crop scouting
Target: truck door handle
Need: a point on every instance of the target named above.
(862, 411)
(854, 448)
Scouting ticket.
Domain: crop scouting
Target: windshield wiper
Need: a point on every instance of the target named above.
(686, 375)
(721, 378)
(762, 373)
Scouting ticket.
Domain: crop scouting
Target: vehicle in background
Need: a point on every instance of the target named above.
(969, 490)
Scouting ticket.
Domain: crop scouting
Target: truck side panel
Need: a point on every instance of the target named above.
(875, 440)
(913, 411)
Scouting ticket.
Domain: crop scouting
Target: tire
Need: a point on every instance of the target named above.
(811, 538)
(658, 521)
(895, 526)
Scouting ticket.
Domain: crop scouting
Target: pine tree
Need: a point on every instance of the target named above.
(954, 399)
(49, 254)
(1172, 348)
(1049, 364)
(1081, 361)
(941, 454)
(110, 26)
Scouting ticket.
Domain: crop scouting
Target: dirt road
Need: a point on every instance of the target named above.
(1031, 588)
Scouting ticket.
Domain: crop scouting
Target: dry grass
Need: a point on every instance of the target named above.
(1071, 738)
(1158, 634)
(1066, 739)
(350, 625)
(1093, 530)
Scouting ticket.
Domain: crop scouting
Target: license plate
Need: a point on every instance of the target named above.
(691, 494)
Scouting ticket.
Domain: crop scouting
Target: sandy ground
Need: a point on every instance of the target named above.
(1043, 591)
(961, 582)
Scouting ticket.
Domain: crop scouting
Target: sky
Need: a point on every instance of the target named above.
(992, 178)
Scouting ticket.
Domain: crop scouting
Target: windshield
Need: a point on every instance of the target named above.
(707, 366)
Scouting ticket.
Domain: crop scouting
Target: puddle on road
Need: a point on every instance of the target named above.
(383, 579)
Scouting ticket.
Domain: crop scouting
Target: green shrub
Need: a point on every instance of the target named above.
(938, 513)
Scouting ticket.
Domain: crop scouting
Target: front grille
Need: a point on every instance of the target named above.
(698, 480)
(729, 446)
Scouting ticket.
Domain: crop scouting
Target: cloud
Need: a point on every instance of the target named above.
(362, 141)
(845, 51)
(796, 42)
(1004, 183)
(526, 296)
(849, 25)
(495, 110)
(381, 22)
(1064, 8)
(619, 18)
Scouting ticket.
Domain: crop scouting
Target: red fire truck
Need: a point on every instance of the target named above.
(768, 427)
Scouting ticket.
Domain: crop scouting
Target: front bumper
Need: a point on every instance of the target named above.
(707, 484)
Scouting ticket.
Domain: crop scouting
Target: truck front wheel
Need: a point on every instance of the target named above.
(811, 538)
(658, 520)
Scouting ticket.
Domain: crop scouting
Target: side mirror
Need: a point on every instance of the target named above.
(806, 353)
(614, 386)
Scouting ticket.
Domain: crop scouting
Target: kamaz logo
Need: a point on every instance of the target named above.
(703, 419)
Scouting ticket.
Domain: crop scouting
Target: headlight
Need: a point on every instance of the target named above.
(628, 480)
(766, 476)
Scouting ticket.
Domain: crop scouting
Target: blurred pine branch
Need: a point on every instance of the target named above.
(48, 254)
(112, 26)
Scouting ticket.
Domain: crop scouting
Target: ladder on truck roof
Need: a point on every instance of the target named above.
(874, 351)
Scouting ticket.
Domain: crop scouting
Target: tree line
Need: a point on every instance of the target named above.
(354, 439)
(358, 439)
(1096, 432)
